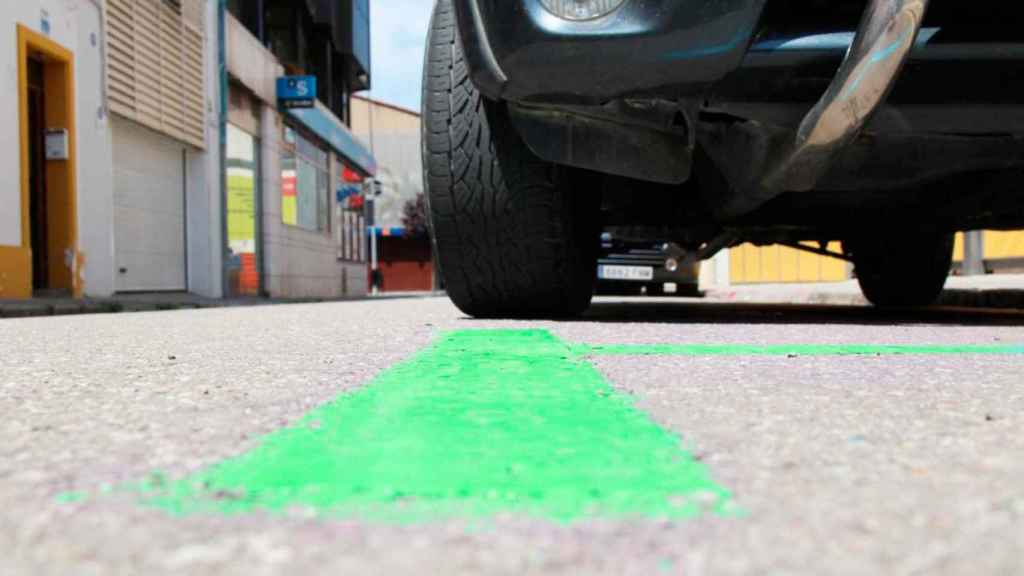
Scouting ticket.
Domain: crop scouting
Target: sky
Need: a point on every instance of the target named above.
(398, 36)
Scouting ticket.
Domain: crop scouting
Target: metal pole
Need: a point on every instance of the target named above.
(373, 259)
(974, 253)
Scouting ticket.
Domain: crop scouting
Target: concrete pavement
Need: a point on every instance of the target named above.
(840, 465)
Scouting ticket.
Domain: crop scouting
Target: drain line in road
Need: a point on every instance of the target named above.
(481, 423)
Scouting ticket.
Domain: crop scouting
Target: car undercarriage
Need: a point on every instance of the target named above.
(711, 124)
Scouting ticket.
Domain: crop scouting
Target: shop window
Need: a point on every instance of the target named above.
(351, 215)
(304, 183)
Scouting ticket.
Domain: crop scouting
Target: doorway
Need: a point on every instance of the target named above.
(49, 228)
(37, 176)
(243, 265)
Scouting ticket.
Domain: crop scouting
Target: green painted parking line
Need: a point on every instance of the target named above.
(788, 350)
(481, 423)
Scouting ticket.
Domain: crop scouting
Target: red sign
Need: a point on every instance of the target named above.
(351, 176)
(288, 183)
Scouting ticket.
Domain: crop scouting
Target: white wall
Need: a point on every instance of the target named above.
(75, 25)
(95, 170)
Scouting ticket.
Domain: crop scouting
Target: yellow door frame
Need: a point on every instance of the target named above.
(61, 176)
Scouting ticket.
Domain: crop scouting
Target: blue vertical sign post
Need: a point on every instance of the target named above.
(296, 91)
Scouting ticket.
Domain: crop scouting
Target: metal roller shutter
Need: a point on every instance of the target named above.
(149, 211)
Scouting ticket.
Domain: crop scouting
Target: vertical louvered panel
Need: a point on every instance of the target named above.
(171, 60)
(195, 118)
(148, 72)
(155, 65)
(121, 57)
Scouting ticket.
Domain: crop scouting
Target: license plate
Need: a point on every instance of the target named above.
(635, 273)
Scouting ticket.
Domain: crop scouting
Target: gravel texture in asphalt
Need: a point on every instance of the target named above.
(857, 464)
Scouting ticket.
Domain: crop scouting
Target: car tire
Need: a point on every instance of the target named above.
(513, 238)
(902, 271)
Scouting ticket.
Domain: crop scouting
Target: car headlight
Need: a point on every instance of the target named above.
(581, 9)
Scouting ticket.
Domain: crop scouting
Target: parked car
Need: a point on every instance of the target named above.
(888, 125)
(638, 267)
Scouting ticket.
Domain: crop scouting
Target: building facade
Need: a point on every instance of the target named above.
(152, 153)
(111, 162)
(294, 175)
(403, 257)
(53, 69)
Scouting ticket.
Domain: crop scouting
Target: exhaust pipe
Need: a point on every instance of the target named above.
(775, 161)
(887, 34)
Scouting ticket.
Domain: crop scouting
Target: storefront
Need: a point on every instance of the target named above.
(294, 203)
(403, 256)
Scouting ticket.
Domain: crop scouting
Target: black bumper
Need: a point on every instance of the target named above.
(518, 51)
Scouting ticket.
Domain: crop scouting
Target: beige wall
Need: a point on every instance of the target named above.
(393, 135)
(250, 63)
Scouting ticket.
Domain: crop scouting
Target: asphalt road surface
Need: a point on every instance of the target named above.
(811, 440)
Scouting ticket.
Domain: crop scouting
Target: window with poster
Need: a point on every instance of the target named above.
(351, 215)
(304, 182)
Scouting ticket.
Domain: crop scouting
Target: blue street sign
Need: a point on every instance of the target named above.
(296, 91)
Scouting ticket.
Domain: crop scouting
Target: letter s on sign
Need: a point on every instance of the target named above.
(299, 88)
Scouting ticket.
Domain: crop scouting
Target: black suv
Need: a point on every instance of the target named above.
(885, 124)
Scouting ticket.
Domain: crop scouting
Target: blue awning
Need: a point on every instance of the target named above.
(326, 125)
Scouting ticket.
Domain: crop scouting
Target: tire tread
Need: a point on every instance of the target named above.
(511, 237)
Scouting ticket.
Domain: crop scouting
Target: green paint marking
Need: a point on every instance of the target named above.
(481, 423)
(71, 497)
(787, 350)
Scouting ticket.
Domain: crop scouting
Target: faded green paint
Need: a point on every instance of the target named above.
(481, 423)
(72, 497)
(787, 350)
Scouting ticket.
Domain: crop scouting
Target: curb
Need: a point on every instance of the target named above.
(954, 298)
(36, 309)
(1000, 299)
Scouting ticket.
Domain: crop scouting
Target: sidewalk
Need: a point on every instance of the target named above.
(992, 291)
(162, 301)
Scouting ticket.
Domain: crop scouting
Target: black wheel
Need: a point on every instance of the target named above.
(512, 237)
(902, 270)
